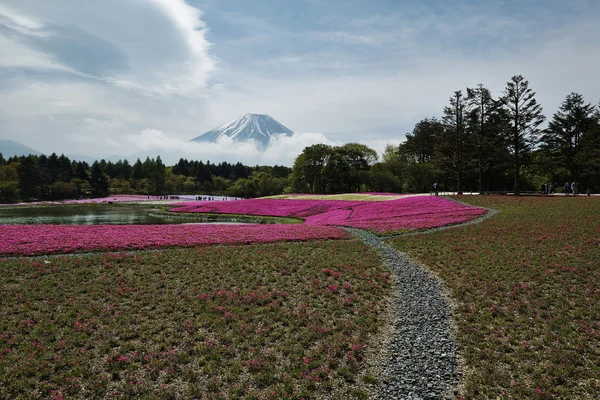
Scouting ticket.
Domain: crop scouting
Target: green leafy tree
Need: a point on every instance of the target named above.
(357, 159)
(309, 168)
(393, 161)
(420, 144)
(9, 182)
(382, 179)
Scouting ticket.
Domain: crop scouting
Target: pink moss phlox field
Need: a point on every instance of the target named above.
(48, 239)
(269, 207)
(409, 213)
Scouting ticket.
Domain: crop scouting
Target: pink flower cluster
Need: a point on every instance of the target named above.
(268, 207)
(48, 239)
(409, 213)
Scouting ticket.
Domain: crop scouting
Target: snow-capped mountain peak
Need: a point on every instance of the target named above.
(258, 127)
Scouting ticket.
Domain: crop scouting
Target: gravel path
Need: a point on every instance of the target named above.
(422, 358)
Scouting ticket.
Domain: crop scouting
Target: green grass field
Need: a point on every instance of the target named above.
(293, 320)
(527, 289)
(302, 320)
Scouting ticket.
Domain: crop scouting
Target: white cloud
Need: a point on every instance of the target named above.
(151, 46)
(24, 23)
(282, 150)
(116, 77)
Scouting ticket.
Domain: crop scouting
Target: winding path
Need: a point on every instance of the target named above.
(422, 358)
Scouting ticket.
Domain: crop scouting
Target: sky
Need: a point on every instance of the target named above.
(127, 77)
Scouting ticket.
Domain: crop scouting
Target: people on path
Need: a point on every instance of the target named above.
(575, 188)
(567, 188)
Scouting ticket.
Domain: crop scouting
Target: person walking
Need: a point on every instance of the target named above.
(567, 188)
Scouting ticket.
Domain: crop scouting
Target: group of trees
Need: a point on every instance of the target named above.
(480, 143)
(486, 144)
(332, 169)
(56, 177)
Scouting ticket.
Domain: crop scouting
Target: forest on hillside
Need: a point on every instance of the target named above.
(480, 143)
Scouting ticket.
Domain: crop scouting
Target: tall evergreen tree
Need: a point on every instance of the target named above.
(137, 172)
(29, 177)
(486, 122)
(525, 117)
(453, 145)
(81, 170)
(589, 155)
(98, 180)
(565, 132)
(158, 175)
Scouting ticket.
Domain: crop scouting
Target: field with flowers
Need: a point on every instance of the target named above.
(382, 217)
(18, 240)
(364, 196)
(527, 289)
(284, 320)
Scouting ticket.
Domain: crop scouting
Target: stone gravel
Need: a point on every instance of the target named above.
(422, 358)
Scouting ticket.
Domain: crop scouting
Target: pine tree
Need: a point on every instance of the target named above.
(566, 130)
(486, 122)
(525, 117)
(98, 180)
(452, 147)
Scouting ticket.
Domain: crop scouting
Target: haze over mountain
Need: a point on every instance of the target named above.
(10, 148)
(250, 127)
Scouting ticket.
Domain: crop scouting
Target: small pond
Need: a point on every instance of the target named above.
(91, 215)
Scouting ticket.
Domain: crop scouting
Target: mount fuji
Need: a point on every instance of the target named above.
(258, 127)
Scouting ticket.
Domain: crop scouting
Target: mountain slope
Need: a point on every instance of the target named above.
(258, 127)
(10, 148)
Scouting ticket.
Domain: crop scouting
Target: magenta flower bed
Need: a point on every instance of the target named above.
(48, 239)
(409, 213)
(269, 207)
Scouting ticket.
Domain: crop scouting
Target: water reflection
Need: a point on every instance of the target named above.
(87, 215)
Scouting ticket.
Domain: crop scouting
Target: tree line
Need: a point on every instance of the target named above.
(479, 143)
(32, 177)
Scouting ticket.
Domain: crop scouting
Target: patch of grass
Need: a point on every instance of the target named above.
(261, 321)
(527, 287)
